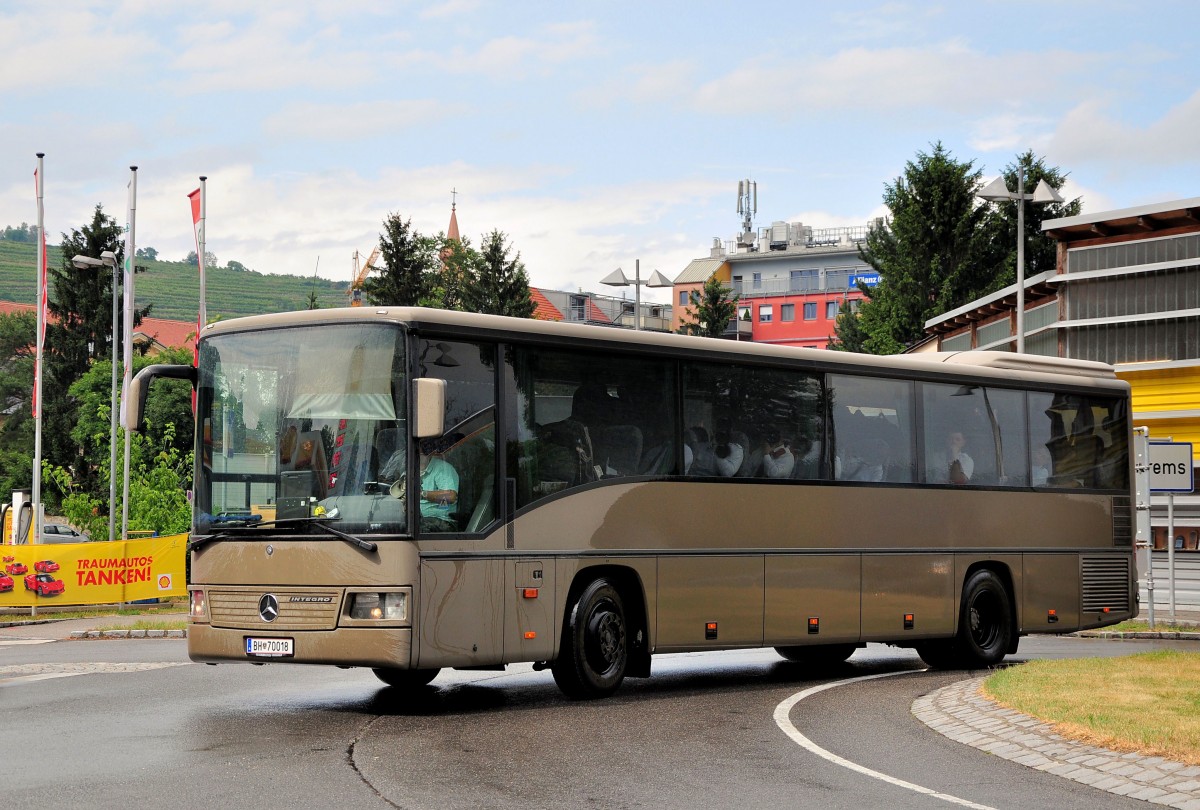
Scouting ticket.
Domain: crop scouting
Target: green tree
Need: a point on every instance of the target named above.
(849, 335)
(167, 435)
(409, 259)
(931, 255)
(943, 248)
(147, 253)
(502, 284)
(453, 286)
(25, 233)
(79, 332)
(16, 385)
(709, 310)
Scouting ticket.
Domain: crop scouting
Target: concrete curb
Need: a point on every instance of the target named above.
(961, 713)
(1160, 634)
(105, 634)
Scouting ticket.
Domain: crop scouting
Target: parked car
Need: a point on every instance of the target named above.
(16, 569)
(44, 584)
(6, 583)
(45, 566)
(62, 533)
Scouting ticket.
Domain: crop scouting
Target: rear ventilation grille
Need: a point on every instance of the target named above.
(1105, 584)
(1122, 516)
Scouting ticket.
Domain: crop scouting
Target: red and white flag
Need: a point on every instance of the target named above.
(197, 200)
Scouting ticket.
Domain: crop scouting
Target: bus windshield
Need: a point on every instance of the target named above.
(303, 422)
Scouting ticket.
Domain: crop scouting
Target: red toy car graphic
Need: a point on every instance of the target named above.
(9, 559)
(6, 583)
(45, 566)
(16, 569)
(43, 584)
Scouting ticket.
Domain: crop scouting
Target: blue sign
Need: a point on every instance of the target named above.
(869, 279)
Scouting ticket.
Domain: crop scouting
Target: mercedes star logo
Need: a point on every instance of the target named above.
(268, 607)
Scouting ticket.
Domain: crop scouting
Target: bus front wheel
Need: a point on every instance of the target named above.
(595, 644)
(406, 678)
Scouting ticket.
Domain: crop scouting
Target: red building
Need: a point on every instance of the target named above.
(790, 279)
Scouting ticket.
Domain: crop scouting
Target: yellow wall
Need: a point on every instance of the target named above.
(1160, 391)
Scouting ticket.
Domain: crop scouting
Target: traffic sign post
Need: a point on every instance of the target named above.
(1171, 471)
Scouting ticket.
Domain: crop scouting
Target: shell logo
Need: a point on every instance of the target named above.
(164, 582)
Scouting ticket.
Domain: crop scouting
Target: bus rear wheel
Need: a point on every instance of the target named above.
(406, 678)
(985, 627)
(595, 646)
(818, 655)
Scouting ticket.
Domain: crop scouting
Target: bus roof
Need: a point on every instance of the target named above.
(998, 365)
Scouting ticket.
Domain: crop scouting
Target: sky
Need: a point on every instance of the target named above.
(593, 134)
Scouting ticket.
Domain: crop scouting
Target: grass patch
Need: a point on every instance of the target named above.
(1149, 703)
(91, 613)
(148, 624)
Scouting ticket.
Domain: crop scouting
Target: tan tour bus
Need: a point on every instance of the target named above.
(412, 489)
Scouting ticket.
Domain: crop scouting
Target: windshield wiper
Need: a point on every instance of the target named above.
(257, 521)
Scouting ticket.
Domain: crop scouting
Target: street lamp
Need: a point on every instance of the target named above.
(617, 278)
(109, 259)
(1044, 193)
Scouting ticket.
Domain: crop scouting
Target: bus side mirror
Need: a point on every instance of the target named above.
(133, 406)
(429, 396)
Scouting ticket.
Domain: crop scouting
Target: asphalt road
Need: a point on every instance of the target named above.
(134, 724)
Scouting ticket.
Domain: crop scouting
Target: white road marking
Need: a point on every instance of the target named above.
(28, 673)
(783, 720)
(13, 642)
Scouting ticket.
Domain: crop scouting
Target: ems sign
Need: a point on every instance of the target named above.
(1171, 467)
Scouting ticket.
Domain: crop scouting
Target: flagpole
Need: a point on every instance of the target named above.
(36, 521)
(200, 242)
(130, 250)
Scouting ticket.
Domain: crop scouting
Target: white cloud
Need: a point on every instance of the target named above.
(350, 122)
(949, 76)
(272, 51)
(1092, 132)
(449, 8)
(539, 53)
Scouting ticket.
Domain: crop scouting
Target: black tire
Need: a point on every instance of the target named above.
(406, 678)
(595, 645)
(818, 655)
(985, 627)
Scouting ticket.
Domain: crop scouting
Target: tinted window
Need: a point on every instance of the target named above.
(974, 435)
(469, 443)
(752, 422)
(1078, 441)
(581, 417)
(872, 437)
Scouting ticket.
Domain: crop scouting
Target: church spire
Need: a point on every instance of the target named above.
(452, 231)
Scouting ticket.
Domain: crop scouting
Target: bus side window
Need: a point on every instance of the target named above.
(872, 431)
(1082, 439)
(469, 442)
(579, 418)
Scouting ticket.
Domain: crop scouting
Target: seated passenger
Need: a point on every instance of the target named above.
(703, 462)
(1041, 466)
(952, 465)
(778, 460)
(866, 463)
(729, 453)
(439, 490)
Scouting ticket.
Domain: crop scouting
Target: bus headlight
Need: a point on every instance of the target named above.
(390, 606)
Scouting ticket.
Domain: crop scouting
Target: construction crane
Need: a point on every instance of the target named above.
(360, 275)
